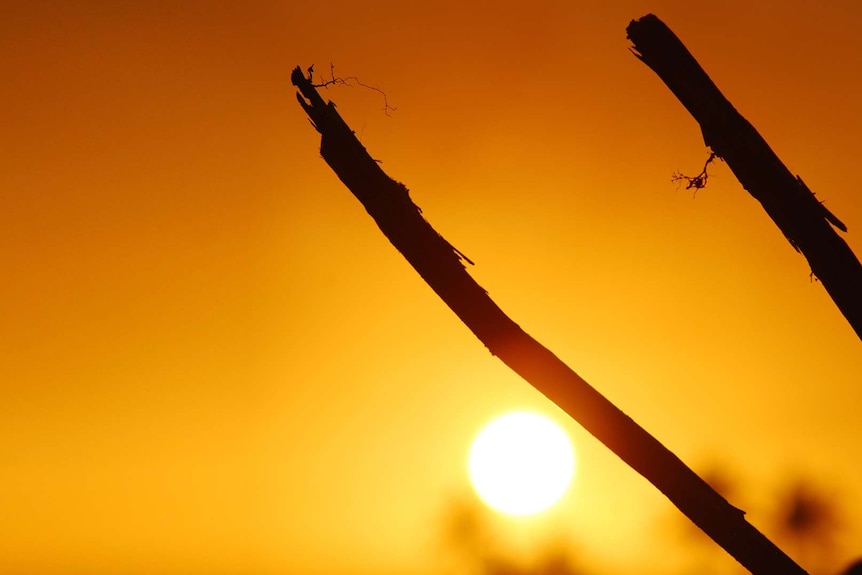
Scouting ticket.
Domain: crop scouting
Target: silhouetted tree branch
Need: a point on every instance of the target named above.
(348, 81)
(803, 220)
(400, 220)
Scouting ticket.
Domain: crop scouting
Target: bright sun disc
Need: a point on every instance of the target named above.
(521, 463)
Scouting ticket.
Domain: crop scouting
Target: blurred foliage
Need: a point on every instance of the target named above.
(804, 520)
(479, 550)
(808, 522)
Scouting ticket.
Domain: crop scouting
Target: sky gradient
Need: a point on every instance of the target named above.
(213, 362)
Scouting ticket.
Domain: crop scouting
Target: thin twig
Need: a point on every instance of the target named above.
(348, 81)
(697, 182)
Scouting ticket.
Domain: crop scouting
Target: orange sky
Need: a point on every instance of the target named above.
(213, 362)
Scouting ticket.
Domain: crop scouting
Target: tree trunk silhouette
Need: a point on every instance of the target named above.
(441, 266)
(804, 221)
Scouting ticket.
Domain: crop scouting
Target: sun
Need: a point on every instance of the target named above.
(521, 463)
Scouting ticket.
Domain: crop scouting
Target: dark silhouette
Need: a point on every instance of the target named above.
(697, 182)
(804, 221)
(804, 517)
(698, 553)
(400, 220)
(808, 519)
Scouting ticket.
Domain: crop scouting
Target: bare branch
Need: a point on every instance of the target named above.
(350, 82)
(442, 267)
(809, 226)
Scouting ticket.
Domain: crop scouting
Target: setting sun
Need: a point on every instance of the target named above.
(521, 463)
(214, 359)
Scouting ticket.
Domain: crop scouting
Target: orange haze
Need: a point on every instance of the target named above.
(212, 362)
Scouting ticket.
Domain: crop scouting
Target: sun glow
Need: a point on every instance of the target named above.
(521, 463)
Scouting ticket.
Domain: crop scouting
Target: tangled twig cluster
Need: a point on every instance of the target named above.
(349, 81)
(697, 182)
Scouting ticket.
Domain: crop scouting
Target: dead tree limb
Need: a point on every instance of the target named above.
(400, 220)
(804, 221)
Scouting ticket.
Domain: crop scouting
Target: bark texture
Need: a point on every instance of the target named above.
(389, 204)
(804, 221)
